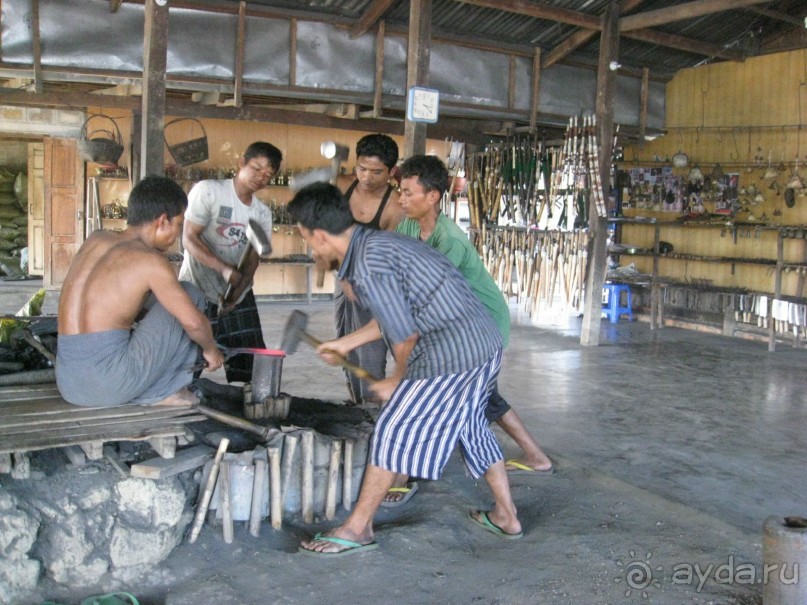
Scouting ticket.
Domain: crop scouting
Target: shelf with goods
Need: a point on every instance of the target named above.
(763, 280)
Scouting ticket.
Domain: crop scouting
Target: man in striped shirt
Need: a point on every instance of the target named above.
(447, 353)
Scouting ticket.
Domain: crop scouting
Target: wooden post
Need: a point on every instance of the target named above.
(204, 503)
(333, 478)
(226, 502)
(417, 69)
(347, 476)
(155, 58)
(258, 491)
(606, 87)
(645, 95)
(536, 89)
(275, 509)
(307, 504)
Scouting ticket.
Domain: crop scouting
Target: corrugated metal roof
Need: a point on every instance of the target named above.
(741, 29)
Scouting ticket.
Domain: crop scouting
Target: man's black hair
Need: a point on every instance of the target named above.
(380, 146)
(261, 149)
(431, 172)
(321, 206)
(153, 196)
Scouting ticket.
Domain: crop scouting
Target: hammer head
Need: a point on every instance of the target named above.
(258, 239)
(293, 332)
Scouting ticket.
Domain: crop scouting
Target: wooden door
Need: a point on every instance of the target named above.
(64, 208)
(36, 209)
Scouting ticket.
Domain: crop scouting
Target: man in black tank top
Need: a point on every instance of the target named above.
(374, 203)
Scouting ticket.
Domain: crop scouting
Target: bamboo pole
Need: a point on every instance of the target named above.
(258, 491)
(347, 476)
(308, 477)
(289, 449)
(226, 502)
(275, 508)
(204, 503)
(333, 478)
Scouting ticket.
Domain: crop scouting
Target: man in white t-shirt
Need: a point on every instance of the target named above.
(214, 238)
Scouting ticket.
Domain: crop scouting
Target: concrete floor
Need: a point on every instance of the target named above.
(672, 448)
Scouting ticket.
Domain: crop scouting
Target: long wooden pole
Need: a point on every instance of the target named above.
(204, 502)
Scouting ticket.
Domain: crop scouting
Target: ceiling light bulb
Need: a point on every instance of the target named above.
(614, 65)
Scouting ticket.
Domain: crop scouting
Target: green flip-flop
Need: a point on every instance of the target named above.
(484, 522)
(351, 547)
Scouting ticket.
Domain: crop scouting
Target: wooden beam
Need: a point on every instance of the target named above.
(680, 12)
(776, 15)
(378, 81)
(580, 37)
(644, 96)
(539, 11)
(417, 69)
(606, 92)
(293, 53)
(240, 41)
(511, 81)
(36, 45)
(536, 89)
(155, 53)
(370, 17)
(683, 43)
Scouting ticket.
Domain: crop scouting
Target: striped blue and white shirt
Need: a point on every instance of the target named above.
(412, 288)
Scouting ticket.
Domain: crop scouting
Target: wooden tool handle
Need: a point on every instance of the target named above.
(350, 367)
(242, 262)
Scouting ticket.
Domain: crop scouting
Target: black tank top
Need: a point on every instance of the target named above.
(375, 223)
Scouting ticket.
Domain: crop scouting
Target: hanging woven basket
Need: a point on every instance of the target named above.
(187, 152)
(100, 145)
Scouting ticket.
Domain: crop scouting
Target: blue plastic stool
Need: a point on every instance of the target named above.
(612, 302)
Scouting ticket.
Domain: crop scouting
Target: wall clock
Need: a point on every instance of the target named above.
(423, 104)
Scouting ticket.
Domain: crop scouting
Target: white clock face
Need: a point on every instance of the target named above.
(423, 104)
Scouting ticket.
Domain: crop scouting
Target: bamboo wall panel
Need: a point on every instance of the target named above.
(742, 116)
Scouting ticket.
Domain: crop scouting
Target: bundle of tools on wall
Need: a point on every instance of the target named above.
(540, 268)
(521, 181)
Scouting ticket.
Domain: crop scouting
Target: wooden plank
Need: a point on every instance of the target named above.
(25, 392)
(185, 460)
(11, 424)
(50, 439)
(92, 425)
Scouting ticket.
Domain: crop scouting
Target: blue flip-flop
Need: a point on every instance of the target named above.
(484, 522)
(351, 547)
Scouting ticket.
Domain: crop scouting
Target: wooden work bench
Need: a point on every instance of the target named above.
(37, 418)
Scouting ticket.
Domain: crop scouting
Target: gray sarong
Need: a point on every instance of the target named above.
(143, 365)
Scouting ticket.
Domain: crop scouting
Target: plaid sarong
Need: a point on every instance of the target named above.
(241, 327)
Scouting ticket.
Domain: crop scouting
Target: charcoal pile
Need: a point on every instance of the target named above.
(13, 222)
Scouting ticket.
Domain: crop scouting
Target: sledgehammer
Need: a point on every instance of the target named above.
(256, 240)
(294, 332)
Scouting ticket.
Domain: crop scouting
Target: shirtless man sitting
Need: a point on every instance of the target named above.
(129, 330)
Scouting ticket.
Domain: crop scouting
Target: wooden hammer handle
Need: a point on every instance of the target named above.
(350, 367)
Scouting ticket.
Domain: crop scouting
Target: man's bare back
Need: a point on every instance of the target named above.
(100, 291)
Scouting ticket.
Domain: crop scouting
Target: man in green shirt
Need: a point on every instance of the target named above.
(424, 179)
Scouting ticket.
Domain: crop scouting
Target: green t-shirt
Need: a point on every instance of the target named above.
(449, 239)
